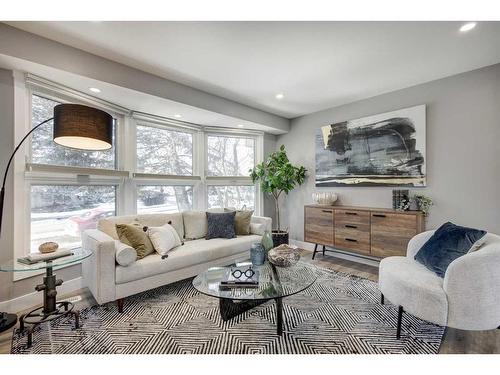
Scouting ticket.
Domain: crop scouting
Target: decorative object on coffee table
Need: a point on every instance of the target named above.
(278, 175)
(267, 241)
(48, 247)
(257, 254)
(327, 198)
(284, 255)
(76, 126)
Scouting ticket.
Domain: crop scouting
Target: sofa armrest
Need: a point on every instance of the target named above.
(99, 270)
(266, 222)
(472, 285)
(417, 242)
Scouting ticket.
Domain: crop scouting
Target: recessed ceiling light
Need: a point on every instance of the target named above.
(177, 115)
(467, 26)
(95, 89)
(279, 96)
(241, 126)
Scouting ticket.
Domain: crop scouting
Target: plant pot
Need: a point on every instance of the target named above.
(280, 237)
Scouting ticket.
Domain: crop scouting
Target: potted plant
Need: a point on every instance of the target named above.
(277, 175)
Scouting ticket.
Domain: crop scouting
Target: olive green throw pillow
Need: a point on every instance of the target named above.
(242, 221)
(134, 235)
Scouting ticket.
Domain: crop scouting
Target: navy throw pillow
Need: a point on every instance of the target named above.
(448, 243)
(220, 225)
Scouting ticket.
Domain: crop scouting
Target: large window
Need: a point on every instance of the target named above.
(45, 151)
(239, 197)
(229, 156)
(156, 165)
(61, 212)
(161, 198)
(62, 202)
(163, 151)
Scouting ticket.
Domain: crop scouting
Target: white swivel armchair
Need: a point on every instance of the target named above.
(468, 297)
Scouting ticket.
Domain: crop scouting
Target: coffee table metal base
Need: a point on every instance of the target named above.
(229, 309)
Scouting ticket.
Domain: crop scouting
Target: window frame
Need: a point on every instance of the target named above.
(124, 177)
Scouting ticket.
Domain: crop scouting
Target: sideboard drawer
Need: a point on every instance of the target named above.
(352, 217)
(318, 225)
(391, 232)
(353, 240)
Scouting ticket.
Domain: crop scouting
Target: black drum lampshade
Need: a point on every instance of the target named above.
(81, 127)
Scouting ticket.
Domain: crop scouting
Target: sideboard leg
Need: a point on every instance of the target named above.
(315, 249)
(323, 250)
(382, 299)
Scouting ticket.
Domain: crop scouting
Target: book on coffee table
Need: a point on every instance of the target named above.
(243, 281)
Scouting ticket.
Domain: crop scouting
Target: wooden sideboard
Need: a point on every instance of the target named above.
(375, 232)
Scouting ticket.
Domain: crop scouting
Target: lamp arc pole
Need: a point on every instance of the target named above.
(2, 193)
(9, 320)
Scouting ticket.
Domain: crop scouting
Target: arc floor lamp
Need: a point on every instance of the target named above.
(75, 126)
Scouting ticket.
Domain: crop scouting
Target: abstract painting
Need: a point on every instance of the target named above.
(381, 150)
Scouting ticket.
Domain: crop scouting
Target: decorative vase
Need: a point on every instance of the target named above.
(257, 254)
(267, 241)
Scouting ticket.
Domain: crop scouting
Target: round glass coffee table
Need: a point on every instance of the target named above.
(275, 283)
(51, 308)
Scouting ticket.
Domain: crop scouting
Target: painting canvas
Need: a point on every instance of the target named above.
(382, 150)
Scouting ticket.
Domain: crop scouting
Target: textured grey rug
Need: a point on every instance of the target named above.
(338, 314)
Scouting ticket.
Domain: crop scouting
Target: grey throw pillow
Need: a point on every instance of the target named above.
(220, 225)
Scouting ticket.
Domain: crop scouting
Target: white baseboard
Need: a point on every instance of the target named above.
(34, 299)
(338, 253)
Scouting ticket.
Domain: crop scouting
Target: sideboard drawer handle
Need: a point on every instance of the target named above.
(379, 215)
(327, 211)
(350, 226)
(351, 213)
(351, 240)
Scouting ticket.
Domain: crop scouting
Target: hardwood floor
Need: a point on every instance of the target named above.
(454, 342)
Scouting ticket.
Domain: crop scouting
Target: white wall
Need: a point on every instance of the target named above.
(463, 150)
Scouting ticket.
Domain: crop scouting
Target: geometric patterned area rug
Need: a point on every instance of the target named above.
(338, 314)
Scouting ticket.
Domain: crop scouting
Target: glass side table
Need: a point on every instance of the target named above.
(51, 309)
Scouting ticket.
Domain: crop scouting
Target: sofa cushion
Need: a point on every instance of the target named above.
(134, 235)
(190, 254)
(241, 221)
(220, 225)
(151, 220)
(164, 238)
(448, 243)
(407, 283)
(195, 224)
(125, 255)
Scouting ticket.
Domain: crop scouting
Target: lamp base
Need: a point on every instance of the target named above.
(7, 321)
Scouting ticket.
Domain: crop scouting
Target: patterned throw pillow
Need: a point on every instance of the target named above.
(220, 225)
(241, 221)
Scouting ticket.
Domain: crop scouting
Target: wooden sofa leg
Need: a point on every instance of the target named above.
(120, 302)
(400, 319)
(382, 298)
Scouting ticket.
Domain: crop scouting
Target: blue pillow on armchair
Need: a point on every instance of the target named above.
(448, 243)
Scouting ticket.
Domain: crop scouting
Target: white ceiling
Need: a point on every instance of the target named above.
(316, 65)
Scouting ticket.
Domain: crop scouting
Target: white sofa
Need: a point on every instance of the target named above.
(109, 281)
(468, 297)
